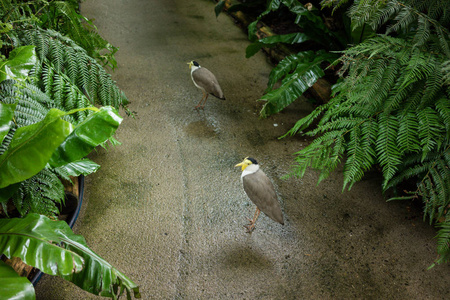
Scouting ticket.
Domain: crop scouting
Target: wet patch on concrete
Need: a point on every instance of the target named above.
(202, 129)
(242, 256)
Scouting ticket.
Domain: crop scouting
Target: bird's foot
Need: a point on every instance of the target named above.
(250, 227)
(199, 107)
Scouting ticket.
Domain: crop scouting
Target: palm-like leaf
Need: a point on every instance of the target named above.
(36, 239)
(270, 41)
(300, 72)
(32, 147)
(12, 286)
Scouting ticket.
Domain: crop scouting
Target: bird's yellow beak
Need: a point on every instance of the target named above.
(190, 64)
(244, 164)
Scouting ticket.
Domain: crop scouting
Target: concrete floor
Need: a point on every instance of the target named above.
(167, 207)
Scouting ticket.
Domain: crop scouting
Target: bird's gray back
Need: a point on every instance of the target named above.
(261, 191)
(207, 81)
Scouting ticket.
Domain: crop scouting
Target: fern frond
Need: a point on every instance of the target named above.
(443, 107)
(420, 66)
(445, 69)
(316, 154)
(443, 241)
(361, 154)
(308, 120)
(57, 55)
(39, 194)
(430, 130)
(386, 145)
(57, 90)
(407, 138)
(69, 60)
(404, 18)
(47, 78)
(32, 104)
(423, 32)
(427, 19)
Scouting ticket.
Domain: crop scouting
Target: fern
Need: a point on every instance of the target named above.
(429, 25)
(391, 108)
(62, 59)
(443, 244)
(39, 194)
(63, 17)
(32, 104)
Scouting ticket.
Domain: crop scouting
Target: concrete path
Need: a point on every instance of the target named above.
(167, 207)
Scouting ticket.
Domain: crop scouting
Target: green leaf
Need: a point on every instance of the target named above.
(219, 7)
(361, 154)
(252, 29)
(291, 38)
(386, 145)
(77, 168)
(314, 26)
(6, 116)
(361, 33)
(90, 133)
(32, 147)
(292, 87)
(12, 286)
(408, 133)
(35, 240)
(7, 192)
(301, 71)
(431, 131)
(20, 62)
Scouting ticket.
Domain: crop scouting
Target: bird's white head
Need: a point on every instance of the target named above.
(193, 65)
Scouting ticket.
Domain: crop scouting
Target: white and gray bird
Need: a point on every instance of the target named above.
(260, 190)
(205, 81)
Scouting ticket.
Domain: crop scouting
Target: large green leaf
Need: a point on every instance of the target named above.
(300, 72)
(93, 131)
(292, 87)
(19, 64)
(77, 168)
(291, 38)
(32, 147)
(7, 192)
(12, 286)
(6, 116)
(219, 7)
(35, 240)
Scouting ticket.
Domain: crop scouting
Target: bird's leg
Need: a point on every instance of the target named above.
(199, 104)
(251, 226)
(204, 102)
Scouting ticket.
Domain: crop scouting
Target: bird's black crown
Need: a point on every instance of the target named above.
(195, 63)
(252, 160)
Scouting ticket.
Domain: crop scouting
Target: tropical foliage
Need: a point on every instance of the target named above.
(37, 236)
(391, 108)
(299, 71)
(52, 83)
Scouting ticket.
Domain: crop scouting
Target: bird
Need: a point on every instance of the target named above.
(261, 192)
(205, 80)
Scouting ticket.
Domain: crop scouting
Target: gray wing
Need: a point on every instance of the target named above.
(205, 79)
(260, 190)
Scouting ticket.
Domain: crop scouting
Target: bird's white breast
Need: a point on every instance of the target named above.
(193, 69)
(249, 170)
